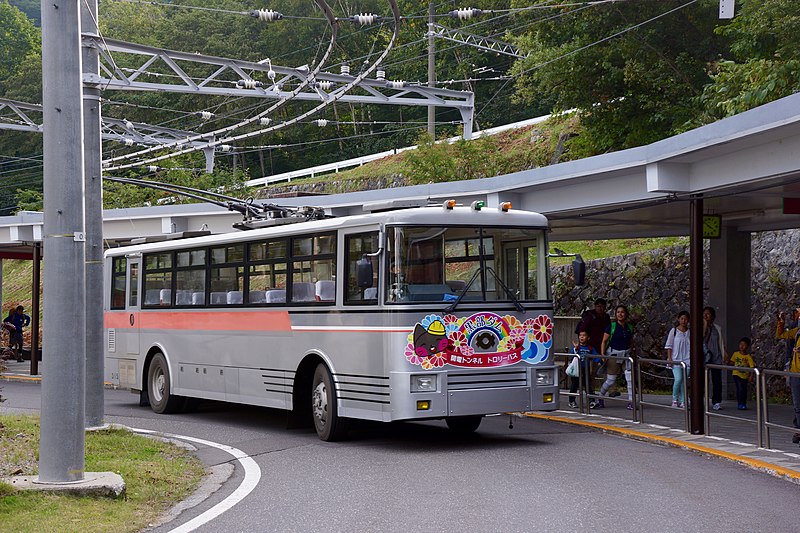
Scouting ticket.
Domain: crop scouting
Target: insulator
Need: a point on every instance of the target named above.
(271, 74)
(205, 115)
(249, 84)
(152, 168)
(321, 122)
(380, 74)
(325, 85)
(225, 147)
(465, 13)
(346, 70)
(127, 142)
(127, 123)
(264, 121)
(266, 15)
(362, 19)
(396, 84)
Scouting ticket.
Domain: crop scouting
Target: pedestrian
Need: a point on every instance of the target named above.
(678, 347)
(742, 358)
(791, 321)
(18, 319)
(594, 322)
(617, 342)
(793, 365)
(714, 354)
(583, 350)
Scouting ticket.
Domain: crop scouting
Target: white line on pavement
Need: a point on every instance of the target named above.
(252, 474)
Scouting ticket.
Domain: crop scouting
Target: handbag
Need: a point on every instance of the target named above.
(574, 367)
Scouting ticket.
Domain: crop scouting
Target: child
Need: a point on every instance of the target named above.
(740, 378)
(582, 349)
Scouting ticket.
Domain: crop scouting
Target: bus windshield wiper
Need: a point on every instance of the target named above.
(505, 288)
(452, 307)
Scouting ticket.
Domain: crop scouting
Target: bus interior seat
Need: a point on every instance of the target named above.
(219, 298)
(371, 293)
(258, 297)
(151, 296)
(326, 290)
(234, 297)
(303, 291)
(183, 297)
(275, 296)
(198, 298)
(165, 296)
(456, 285)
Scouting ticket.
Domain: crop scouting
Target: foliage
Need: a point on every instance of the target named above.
(632, 88)
(157, 474)
(763, 63)
(31, 8)
(29, 200)
(19, 39)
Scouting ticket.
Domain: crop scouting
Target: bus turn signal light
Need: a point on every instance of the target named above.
(423, 405)
(449, 204)
(504, 206)
(546, 398)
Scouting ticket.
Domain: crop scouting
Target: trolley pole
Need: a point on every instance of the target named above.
(696, 357)
(431, 70)
(93, 212)
(61, 448)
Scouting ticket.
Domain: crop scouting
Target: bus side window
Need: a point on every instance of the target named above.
(118, 279)
(158, 280)
(356, 247)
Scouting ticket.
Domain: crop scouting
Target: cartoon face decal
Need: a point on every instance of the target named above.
(479, 340)
(430, 340)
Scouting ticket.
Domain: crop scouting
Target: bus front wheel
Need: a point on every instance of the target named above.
(463, 425)
(158, 386)
(329, 425)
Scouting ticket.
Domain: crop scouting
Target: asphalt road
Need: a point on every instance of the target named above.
(538, 476)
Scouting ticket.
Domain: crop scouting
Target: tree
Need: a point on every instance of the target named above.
(764, 60)
(633, 88)
(19, 39)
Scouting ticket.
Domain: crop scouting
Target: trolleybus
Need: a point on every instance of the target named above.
(439, 312)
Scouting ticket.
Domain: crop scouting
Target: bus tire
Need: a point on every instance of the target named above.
(329, 425)
(158, 385)
(463, 425)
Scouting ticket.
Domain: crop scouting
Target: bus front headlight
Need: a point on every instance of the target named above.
(544, 377)
(423, 383)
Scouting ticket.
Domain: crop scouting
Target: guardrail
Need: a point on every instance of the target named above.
(764, 425)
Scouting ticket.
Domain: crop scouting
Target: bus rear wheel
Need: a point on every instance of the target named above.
(329, 425)
(158, 387)
(463, 425)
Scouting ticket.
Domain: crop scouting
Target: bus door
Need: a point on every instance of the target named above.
(132, 304)
(519, 260)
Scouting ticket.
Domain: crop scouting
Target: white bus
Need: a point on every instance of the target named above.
(437, 312)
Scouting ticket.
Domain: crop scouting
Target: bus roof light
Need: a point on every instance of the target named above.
(504, 206)
(477, 205)
(449, 204)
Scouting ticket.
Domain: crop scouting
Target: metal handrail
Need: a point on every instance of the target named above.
(581, 397)
(630, 360)
(665, 364)
(708, 414)
(764, 400)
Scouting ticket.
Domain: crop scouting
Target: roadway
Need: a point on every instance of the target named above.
(540, 475)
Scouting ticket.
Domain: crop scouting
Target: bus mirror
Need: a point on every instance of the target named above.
(579, 270)
(364, 272)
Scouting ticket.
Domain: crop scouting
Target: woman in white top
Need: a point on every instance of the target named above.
(678, 350)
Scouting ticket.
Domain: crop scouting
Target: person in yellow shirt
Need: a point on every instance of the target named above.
(741, 378)
(792, 365)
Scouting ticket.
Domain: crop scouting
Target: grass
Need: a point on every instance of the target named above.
(157, 474)
(599, 249)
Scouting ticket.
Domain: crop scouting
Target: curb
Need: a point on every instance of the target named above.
(775, 470)
(38, 379)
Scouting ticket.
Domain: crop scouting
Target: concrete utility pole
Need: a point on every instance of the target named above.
(61, 449)
(93, 211)
(431, 70)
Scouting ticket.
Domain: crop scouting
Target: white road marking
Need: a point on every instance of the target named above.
(252, 475)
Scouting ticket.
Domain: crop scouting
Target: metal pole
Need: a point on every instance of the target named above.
(93, 211)
(758, 408)
(696, 307)
(61, 448)
(431, 69)
(765, 409)
(37, 283)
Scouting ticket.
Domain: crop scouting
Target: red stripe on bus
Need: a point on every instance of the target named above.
(203, 320)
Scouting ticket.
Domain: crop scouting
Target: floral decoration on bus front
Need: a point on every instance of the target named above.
(480, 340)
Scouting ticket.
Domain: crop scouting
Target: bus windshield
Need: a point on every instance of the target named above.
(435, 264)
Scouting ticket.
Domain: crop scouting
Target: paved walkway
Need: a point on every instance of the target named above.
(728, 438)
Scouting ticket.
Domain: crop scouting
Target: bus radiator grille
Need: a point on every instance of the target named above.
(487, 380)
